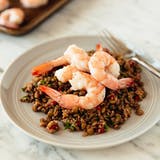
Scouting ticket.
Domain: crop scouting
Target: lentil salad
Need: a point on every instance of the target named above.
(114, 111)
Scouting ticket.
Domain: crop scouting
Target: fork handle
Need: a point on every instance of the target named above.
(149, 63)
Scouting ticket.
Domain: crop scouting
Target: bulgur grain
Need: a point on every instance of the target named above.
(112, 112)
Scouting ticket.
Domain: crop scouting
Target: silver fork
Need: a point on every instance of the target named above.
(117, 46)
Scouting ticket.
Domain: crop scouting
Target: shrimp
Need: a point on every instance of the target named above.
(4, 4)
(77, 57)
(45, 67)
(33, 3)
(12, 18)
(80, 80)
(105, 69)
(65, 74)
(73, 55)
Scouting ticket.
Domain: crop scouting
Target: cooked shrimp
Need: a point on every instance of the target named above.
(73, 55)
(45, 67)
(12, 18)
(80, 80)
(65, 74)
(77, 57)
(4, 4)
(33, 3)
(105, 69)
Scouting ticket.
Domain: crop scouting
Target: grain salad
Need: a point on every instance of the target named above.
(115, 110)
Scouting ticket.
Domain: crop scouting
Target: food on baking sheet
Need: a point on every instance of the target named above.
(12, 18)
(33, 3)
(35, 11)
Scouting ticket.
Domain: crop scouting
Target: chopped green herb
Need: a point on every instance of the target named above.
(67, 125)
(106, 127)
(23, 89)
(72, 127)
(42, 82)
(25, 98)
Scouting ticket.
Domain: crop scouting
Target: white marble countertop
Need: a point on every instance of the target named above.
(135, 20)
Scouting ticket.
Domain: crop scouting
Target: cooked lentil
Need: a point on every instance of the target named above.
(116, 108)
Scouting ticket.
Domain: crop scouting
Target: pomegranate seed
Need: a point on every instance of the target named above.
(137, 98)
(131, 63)
(53, 127)
(101, 130)
(98, 108)
(78, 123)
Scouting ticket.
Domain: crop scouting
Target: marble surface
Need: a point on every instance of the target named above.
(136, 21)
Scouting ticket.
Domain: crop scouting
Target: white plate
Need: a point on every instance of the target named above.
(24, 118)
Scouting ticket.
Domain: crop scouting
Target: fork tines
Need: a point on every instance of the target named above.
(114, 44)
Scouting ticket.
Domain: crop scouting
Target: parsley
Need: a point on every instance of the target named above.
(67, 125)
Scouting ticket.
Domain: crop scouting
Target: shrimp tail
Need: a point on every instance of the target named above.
(99, 47)
(46, 67)
(41, 69)
(125, 82)
(55, 95)
(65, 101)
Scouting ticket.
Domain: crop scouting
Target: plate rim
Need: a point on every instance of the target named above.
(73, 146)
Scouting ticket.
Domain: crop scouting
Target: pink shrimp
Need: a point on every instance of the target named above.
(33, 3)
(45, 67)
(12, 18)
(105, 69)
(73, 55)
(4, 4)
(65, 74)
(79, 80)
